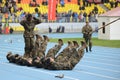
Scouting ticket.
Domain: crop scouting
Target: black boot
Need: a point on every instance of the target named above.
(86, 49)
(90, 46)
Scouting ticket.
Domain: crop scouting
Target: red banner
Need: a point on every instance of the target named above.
(52, 10)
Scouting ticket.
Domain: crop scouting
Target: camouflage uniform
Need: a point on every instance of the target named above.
(40, 48)
(87, 33)
(53, 51)
(29, 26)
(65, 52)
(43, 46)
(68, 61)
(41, 62)
(65, 62)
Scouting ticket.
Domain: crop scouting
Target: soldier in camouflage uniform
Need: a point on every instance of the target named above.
(17, 59)
(38, 43)
(65, 51)
(39, 62)
(69, 61)
(53, 51)
(29, 25)
(43, 45)
(87, 33)
(40, 47)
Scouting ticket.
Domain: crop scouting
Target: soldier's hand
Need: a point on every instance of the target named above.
(51, 60)
(90, 33)
(34, 18)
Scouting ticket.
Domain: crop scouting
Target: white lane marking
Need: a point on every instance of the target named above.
(96, 62)
(46, 72)
(102, 59)
(99, 75)
(115, 65)
(22, 74)
(100, 68)
(111, 57)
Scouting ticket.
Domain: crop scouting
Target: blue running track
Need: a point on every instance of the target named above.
(103, 63)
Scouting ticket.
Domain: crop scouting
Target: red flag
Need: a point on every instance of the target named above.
(52, 10)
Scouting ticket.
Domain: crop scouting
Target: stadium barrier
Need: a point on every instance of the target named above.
(44, 27)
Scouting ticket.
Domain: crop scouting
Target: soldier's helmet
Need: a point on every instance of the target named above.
(28, 16)
(16, 55)
(9, 55)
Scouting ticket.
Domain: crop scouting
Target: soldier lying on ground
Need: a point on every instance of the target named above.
(68, 61)
(40, 46)
(39, 62)
(39, 52)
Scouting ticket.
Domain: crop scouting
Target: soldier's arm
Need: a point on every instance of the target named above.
(43, 48)
(36, 21)
(22, 22)
(91, 30)
(83, 30)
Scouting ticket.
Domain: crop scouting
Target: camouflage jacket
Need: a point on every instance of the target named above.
(87, 31)
(29, 27)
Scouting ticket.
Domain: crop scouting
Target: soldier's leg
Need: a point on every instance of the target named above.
(81, 49)
(90, 45)
(53, 51)
(32, 47)
(8, 56)
(27, 47)
(86, 40)
(60, 66)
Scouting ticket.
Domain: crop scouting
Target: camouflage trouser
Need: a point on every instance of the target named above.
(53, 51)
(29, 45)
(88, 41)
(60, 66)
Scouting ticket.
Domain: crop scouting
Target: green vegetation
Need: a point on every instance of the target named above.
(95, 41)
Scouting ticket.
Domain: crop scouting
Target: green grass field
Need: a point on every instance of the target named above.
(95, 41)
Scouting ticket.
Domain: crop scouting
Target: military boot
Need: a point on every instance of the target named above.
(60, 42)
(84, 45)
(90, 46)
(76, 45)
(46, 38)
